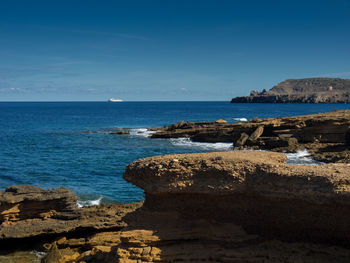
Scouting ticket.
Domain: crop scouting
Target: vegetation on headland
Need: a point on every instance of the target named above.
(310, 90)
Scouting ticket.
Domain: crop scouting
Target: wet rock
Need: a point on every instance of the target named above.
(121, 132)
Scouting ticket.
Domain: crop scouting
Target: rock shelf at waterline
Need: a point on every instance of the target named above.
(222, 206)
(326, 136)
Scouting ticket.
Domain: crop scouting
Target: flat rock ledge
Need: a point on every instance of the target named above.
(242, 206)
(29, 212)
(325, 135)
(238, 206)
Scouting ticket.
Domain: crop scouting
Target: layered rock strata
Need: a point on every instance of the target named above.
(28, 212)
(237, 207)
(241, 206)
(256, 190)
(325, 135)
(310, 90)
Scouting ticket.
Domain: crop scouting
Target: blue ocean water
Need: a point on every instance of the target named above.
(53, 144)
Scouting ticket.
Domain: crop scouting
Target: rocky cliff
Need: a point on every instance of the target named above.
(241, 206)
(238, 206)
(310, 90)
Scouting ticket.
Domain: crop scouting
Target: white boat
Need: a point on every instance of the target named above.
(115, 100)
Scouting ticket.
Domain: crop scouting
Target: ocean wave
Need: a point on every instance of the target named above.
(187, 143)
(141, 132)
(239, 119)
(301, 157)
(81, 203)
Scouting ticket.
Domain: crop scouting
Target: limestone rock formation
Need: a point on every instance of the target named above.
(310, 90)
(239, 206)
(236, 206)
(28, 211)
(325, 135)
(22, 202)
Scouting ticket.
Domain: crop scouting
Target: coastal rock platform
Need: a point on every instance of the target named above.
(325, 135)
(236, 206)
(31, 212)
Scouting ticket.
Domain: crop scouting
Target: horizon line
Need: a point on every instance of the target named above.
(1, 101)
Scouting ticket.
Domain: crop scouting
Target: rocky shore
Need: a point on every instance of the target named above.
(310, 90)
(325, 135)
(236, 206)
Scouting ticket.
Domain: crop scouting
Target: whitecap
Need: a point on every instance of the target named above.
(81, 203)
(240, 119)
(301, 157)
(187, 143)
(141, 132)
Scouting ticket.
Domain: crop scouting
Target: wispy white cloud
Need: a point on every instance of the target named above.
(105, 33)
(338, 74)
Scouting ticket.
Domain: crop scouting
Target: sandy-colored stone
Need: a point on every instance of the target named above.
(325, 135)
(28, 211)
(246, 172)
(228, 206)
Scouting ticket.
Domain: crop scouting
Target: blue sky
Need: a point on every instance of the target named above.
(166, 50)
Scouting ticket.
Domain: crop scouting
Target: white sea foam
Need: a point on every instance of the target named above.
(187, 143)
(141, 132)
(239, 119)
(38, 254)
(81, 203)
(19, 256)
(301, 157)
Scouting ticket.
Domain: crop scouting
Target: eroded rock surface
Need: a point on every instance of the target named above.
(226, 207)
(28, 211)
(237, 207)
(22, 202)
(325, 135)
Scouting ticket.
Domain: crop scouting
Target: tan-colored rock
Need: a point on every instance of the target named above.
(220, 121)
(255, 189)
(259, 172)
(256, 134)
(28, 211)
(325, 135)
(22, 202)
(242, 139)
(56, 255)
(241, 206)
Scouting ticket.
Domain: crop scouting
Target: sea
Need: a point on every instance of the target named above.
(54, 144)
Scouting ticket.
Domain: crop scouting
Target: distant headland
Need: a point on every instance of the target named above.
(309, 90)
